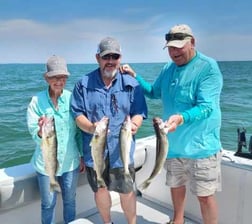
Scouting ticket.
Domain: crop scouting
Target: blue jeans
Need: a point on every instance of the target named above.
(68, 183)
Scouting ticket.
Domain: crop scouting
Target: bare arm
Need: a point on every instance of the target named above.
(84, 124)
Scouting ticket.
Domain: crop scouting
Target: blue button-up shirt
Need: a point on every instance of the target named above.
(68, 134)
(94, 100)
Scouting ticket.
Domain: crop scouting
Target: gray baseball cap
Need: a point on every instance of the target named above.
(108, 45)
(56, 66)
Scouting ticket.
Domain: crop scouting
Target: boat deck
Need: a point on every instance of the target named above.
(148, 212)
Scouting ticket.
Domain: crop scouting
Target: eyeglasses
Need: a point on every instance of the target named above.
(58, 77)
(176, 36)
(111, 56)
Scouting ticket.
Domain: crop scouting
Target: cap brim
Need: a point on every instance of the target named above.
(177, 43)
(55, 73)
(109, 52)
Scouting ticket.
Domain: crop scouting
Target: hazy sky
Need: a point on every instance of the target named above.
(32, 30)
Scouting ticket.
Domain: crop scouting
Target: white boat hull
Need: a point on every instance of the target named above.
(20, 201)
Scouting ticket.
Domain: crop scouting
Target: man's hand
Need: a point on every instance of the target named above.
(173, 122)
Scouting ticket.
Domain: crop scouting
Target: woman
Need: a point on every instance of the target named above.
(54, 102)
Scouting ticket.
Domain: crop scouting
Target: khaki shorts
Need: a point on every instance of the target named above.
(115, 179)
(204, 175)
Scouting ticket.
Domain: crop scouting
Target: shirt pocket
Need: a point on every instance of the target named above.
(95, 105)
(185, 95)
(123, 100)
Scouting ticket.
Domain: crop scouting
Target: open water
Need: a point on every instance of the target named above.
(19, 82)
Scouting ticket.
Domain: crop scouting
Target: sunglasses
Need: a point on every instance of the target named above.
(111, 56)
(176, 36)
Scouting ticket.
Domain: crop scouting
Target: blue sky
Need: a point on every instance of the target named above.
(32, 30)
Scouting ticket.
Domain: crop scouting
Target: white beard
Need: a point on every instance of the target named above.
(109, 74)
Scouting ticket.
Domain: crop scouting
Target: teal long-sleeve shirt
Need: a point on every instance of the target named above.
(192, 90)
(69, 145)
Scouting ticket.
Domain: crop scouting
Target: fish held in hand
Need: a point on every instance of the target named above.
(125, 145)
(98, 143)
(162, 146)
(49, 151)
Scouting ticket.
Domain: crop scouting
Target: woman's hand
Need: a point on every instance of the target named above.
(41, 121)
(126, 69)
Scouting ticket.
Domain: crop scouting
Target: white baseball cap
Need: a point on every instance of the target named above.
(178, 36)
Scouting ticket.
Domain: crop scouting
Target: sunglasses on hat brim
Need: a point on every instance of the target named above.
(176, 36)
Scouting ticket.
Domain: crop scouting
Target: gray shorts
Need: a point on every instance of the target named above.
(204, 175)
(115, 179)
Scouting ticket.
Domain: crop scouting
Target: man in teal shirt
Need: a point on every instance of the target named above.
(189, 88)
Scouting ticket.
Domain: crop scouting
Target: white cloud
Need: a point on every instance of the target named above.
(30, 41)
(25, 40)
(230, 47)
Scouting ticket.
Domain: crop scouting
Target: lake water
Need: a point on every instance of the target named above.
(19, 82)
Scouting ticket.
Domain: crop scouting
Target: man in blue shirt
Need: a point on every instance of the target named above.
(106, 92)
(190, 88)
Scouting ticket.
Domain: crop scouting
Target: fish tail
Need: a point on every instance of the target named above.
(55, 187)
(101, 183)
(145, 184)
(126, 170)
(128, 178)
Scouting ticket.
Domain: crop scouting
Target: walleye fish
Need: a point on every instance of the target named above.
(162, 145)
(49, 151)
(125, 145)
(97, 144)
